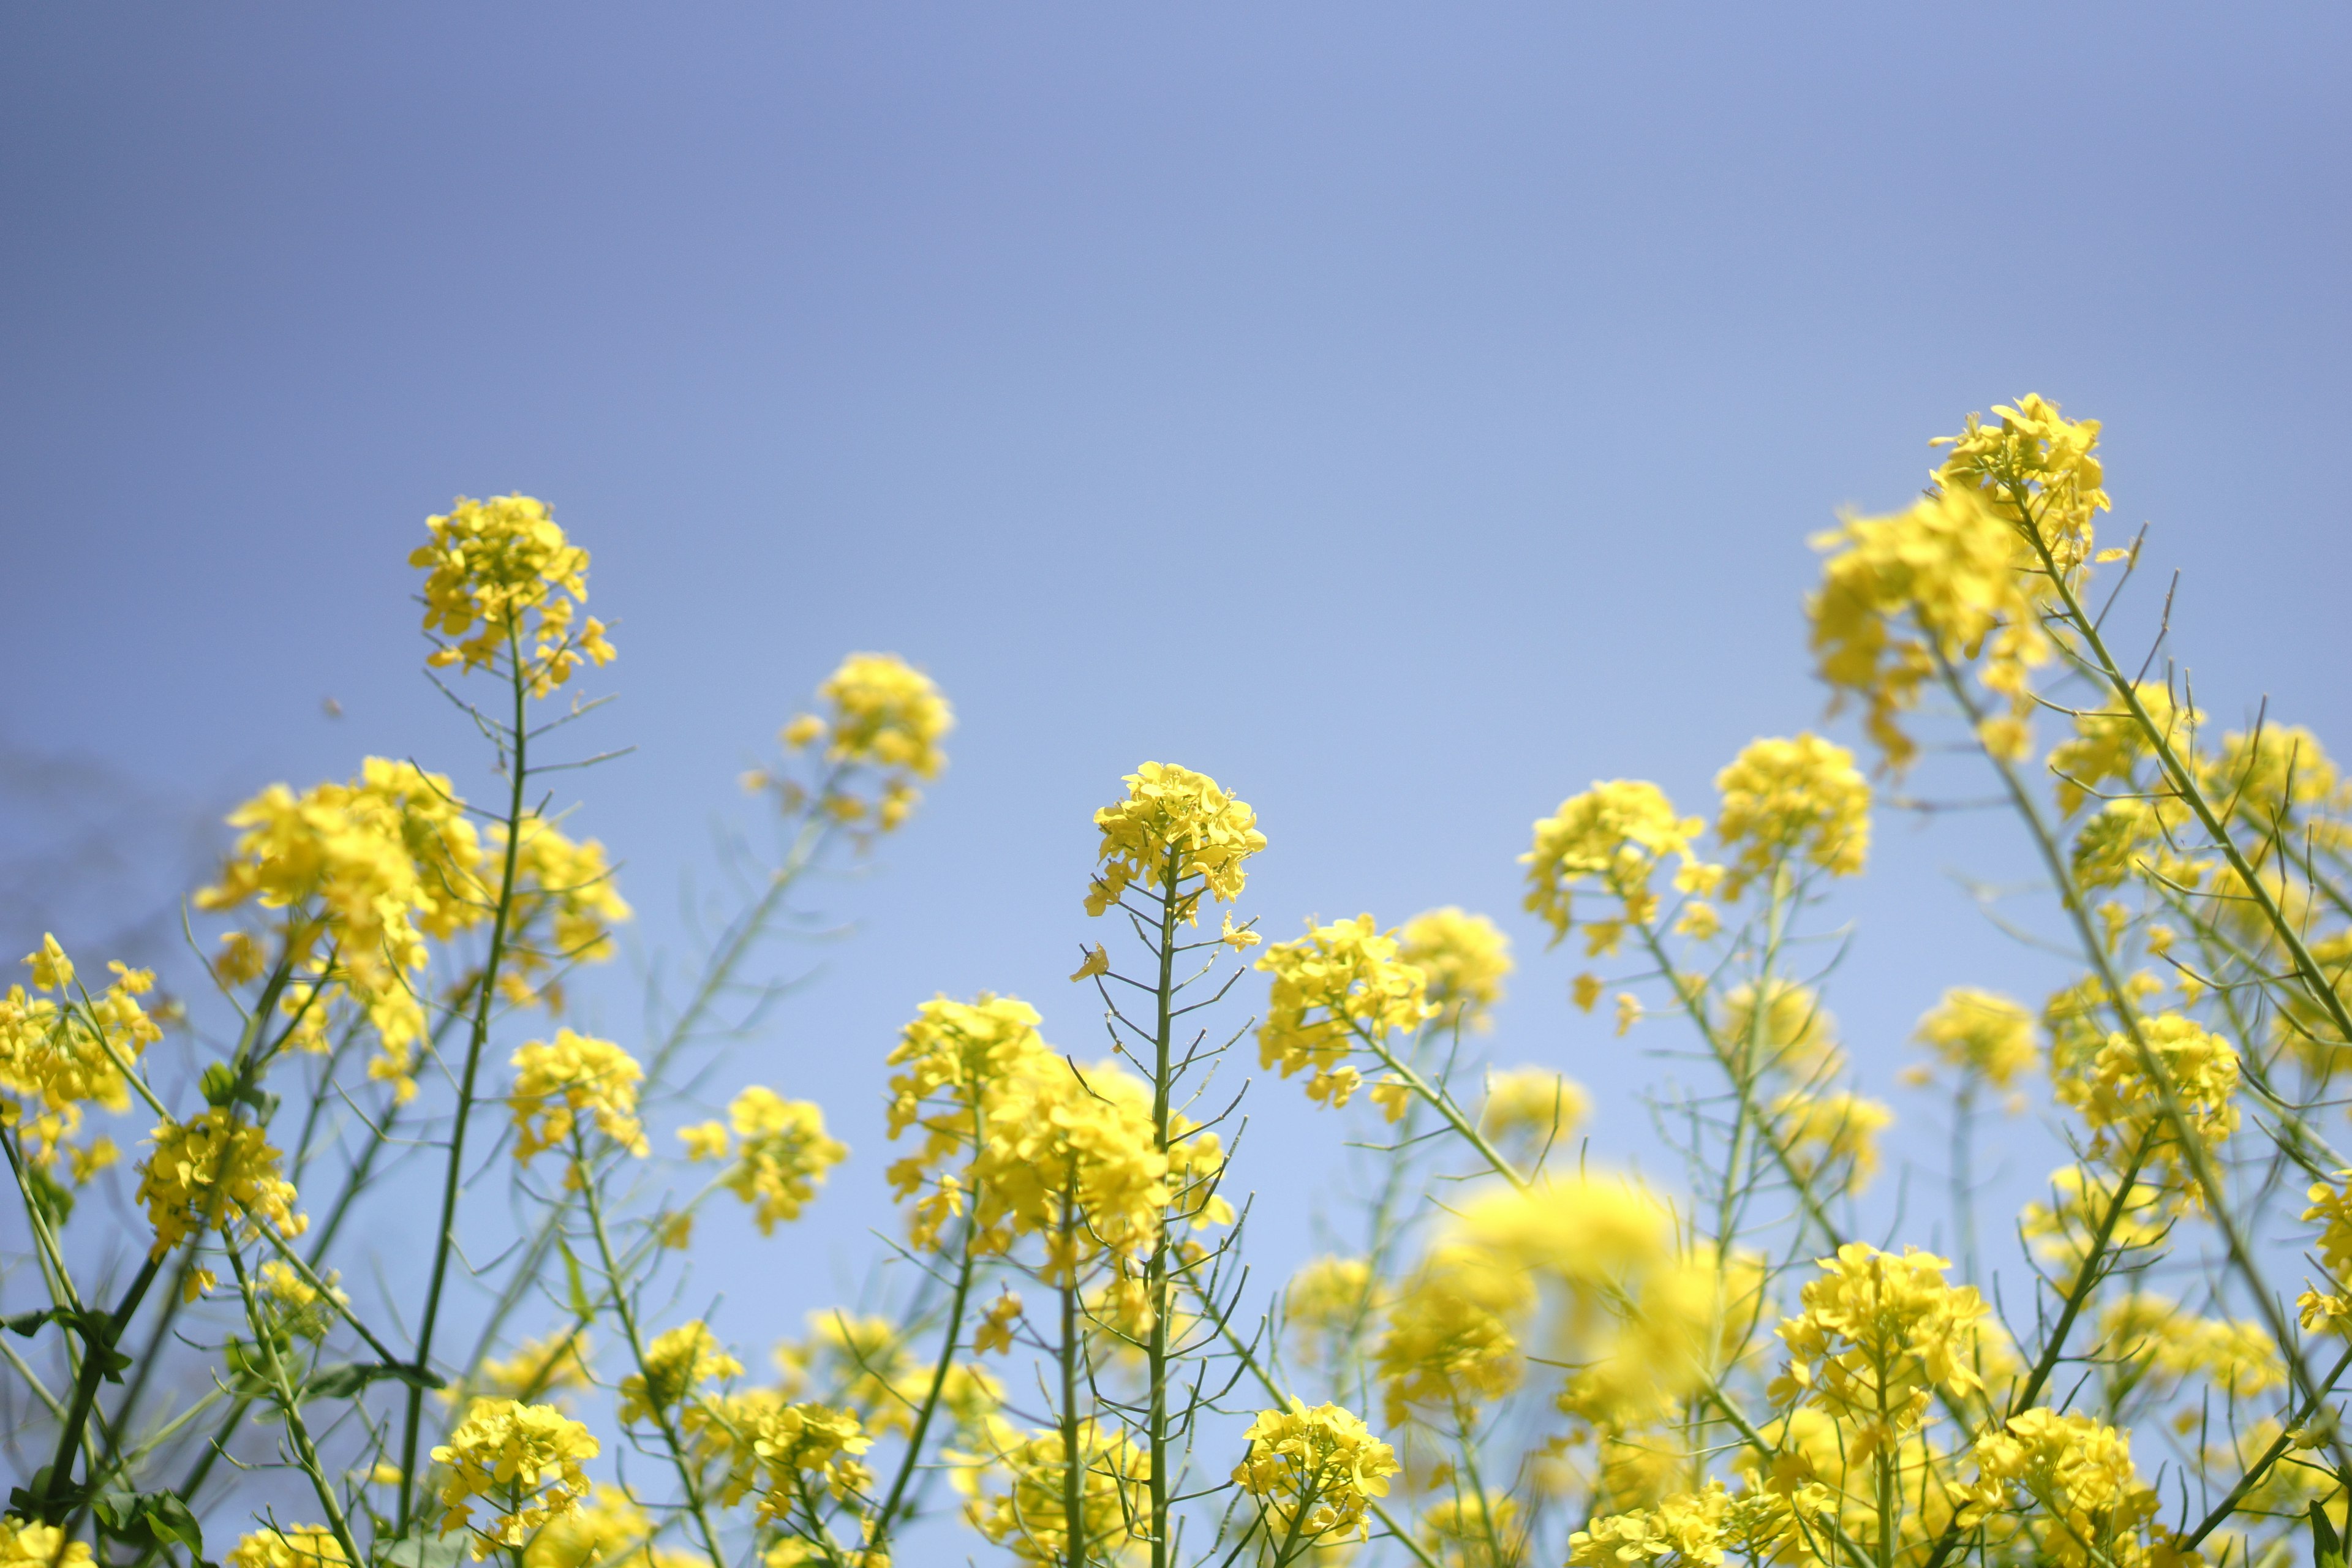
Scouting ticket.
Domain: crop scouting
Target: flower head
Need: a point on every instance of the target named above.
(491, 565)
(1339, 986)
(1878, 1336)
(215, 1172)
(301, 1546)
(1980, 1034)
(677, 1361)
(1313, 1472)
(558, 1083)
(782, 1154)
(1793, 799)
(1464, 957)
(1614, 835)
(522, 1461)
(1173, 827)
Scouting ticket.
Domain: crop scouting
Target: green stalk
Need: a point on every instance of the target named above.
(306, 1453)
(1155, 1274)
(445, 1232)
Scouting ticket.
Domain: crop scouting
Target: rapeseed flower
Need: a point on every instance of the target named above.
(1980, 1035)
(300, 1546)
(1313, 1472)
(677, 1361)
(1173, 827)
(491, 565)
(782, 1153)
(521, 1461)
(1801, 799)
(215, 1172)
(1465, 959)
(1028, 1517)
(1615, 834)
(1339, 986)
(559, 1082)
(1879, 1335)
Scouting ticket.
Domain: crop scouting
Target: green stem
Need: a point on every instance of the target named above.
(445, 1232)
(306, 1453)
(957, 1299)
(1155, 1274)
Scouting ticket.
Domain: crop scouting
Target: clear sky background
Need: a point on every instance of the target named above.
(1406, 414)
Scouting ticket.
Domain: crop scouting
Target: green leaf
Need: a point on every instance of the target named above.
(145, 1519)
(29, 1323)
(581, 1307)
(2327, 1546)
(348, 1378)
(51, 1197)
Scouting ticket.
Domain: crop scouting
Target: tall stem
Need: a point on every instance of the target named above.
(444, 1234)
(1155, 1275)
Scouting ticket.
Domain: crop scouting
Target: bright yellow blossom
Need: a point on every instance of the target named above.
(1313, 1472)
(556, 1083)
(26, 1544)
(1533, 1105)
(2123, 1106)
(1174, 825)
(302, 1546)
(494, 562)
(1339, 987)
(521, 1460)
(1464, 957)
(1801, 798)
(677, 1361)
(782, 1450)
(58, 1053)
(2035, 471)
(215, 1172)
(1878, 1336)
(782, 1154)
(1614, 834)
(2071, 1479)
(1028, 1517)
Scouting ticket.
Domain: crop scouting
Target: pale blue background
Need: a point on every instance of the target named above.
(1407, 414)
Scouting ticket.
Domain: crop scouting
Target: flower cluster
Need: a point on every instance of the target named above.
(1614, 834)
(2035, 471)
(1793, 799)
(1465, 959)
(25, 1544)
(58, 1053)
(883, 719)
(782, 1157)
(2073, 1475)
(1532, 1105)
(1313, 1472)
(521, 1461)
(558, 1082)
(2123, 1104)
(1174, 825)
(781, 1449)
(540, 1366)
(677, 1361)
(300, 1546)
(1757, 1522)
(1879, 1335)
(1029, 1516)
(1337, 986)
(1980, 1035)
(491, 564)
(215, 1172)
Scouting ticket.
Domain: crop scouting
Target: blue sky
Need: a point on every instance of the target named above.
(1407, 414)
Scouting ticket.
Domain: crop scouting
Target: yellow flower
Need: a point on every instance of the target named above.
(52, 970)
(679, 1361)
(566, 904)
(492, 564)
(706, 1141)
(1098, 962)
(780, 1450)
(538, 1367)
(557, 1083)
(1028, 1518)
(1980, 1035)
(1471, 1530)
(213, 1174)
(1937, 583)
(885, 714)
(522, 1461)
(303, 1546)
(1337, 986)
(1878, 1335)
(605, 1528)
(1465, 958)
(1173, 827)
(2122, 1105)
(2064, 1229)
(1533, 1104)
(995, 1330)
(2108, 743)
(2034, 470)
(2071, 1476)
(1614, 834)
(1792, 798)
(295, 1301)
(1447, 1343)
(1312, 1472)
(58, 1054)
(1796, 1036)
(2151, 1334)
(1328, 1302)
(783, 1154)
(367, 871)
(25, 1544)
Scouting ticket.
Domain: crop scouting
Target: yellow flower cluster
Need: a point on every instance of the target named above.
(606, 1531)
(2108, 744)
(58, 1054)
(1326, 1302)
(678, 1361)
(2122, 1105)
(551, 1364)
(557, 1082)
(2064, 1229)
(1832, 1135)
(1784, 799)
(302, 1546)
(1614, 834)
(1878, 1336)
(2152, 1334)
(1447, 1345)
(1338, 985)
(1313, 1472)
(215, 1172)
(784, 1157)
(2071, 1479)
(522, 1461)
(367, 871)
(1464, 957)
(566, 904)
(1534, 1106)
(294, 1304)
(493, 563)
(1706, 1527)
(1948, 568)
(1030, 1516)
(1795, 1035)
(2331, 1206)
(1978, 1035)
(883, 714)
(1173, 826)
(2035, 470)
(780, 1449)
(26, 1544)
